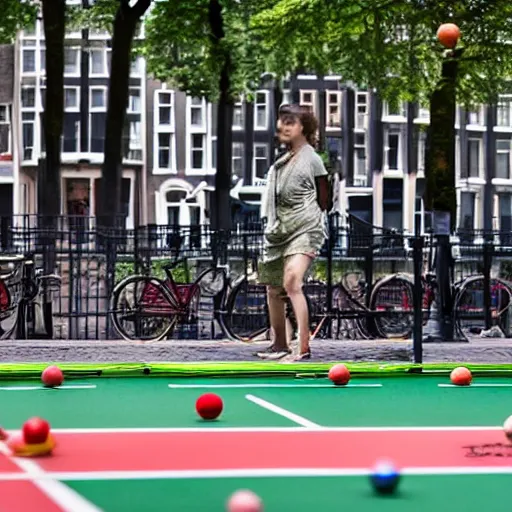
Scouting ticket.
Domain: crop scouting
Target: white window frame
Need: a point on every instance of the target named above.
(204, 149)
(480, 158)
(102, 88)
(78, 57)
(196, 128)
(400, 117)
(259, 105)
(136, 67)
(329, 95)
(361, 118)
(33, 107)
(6, 122)
(399, 170)
(104, 51)
(36, 135)
(241, 146)
(25, 49)
(135, 143)
(505, 151)
(76, 108)
(476, 211)
(359, 178)
(167, 129)
(240, 106)
(312, 103)
(206, 132)
(422, 141)
(98, 35)
(508, 99)
(256, 145)
(480, 111)
(130, 108)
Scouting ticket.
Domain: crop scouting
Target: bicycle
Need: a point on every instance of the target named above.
(26, 299)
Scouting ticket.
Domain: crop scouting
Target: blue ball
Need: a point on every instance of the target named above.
(385, 478)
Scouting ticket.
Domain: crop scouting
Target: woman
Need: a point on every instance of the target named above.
(295, 197)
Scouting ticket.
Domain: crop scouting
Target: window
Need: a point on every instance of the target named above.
(29, 60)
(505, 205)
(392, 151)
(98, 61)
(71, 136)
(134, 142)
(71, 61)
(165, 160)
(422, 147)
(361, 110)
(238, 115)
(238, 159)
(473, 170)
(503, 111)
(260, 161)
(392, 201)
(43, 59)
(395, 108)
(467, 211)
(197, 113)
(71, 99)
(360, 174)
(475, 116)
(165, 104)
(503, 159)
(4, 130)
(134, 100)
(424, 113)
(197, 149)
(28, 97)
(30, 31)
(164, 137)
(308, 99)
(28, 120)
(98, 98)
(136, 66)
(261, 113)
(333, 109)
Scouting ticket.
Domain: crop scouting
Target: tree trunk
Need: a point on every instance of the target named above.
(48, 180)
(125, 24)
(440, 196)
(221, 215)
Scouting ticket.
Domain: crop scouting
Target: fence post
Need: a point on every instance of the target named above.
(488, 250)
(417, 336)
(330, 239)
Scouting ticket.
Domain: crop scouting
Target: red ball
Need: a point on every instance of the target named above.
(36, 430)
(461, 376)
(209, 406)
(448, 35)
(339, 374)
(52, 377)
(244, 501)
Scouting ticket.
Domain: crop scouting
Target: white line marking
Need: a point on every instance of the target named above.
(476, 386)
(34, 388)
(62, 495)
(243, 473)
(248, 386)
(303, 422)
(221, 430)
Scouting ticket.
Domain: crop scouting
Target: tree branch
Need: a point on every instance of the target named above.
(140, 7)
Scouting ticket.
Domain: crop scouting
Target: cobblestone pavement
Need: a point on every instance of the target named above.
(476, 351)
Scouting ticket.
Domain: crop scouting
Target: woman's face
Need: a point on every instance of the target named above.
(289, 129)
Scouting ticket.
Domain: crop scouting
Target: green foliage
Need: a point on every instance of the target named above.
(180, 49)
(16, 15)
(125, 269)
(391, 44)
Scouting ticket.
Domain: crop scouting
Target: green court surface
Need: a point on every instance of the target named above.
(136, 443)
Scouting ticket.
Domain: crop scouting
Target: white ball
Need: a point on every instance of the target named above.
(244, 501)
(507, 427)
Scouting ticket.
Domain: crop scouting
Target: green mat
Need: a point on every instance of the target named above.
(16, 371)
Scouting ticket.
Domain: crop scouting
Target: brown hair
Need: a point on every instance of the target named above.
(292, 113)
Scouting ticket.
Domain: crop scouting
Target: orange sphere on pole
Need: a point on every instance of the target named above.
(448, 35)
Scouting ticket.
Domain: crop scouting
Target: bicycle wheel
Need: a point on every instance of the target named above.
(394, 295)
(142, 308)
(469, 307)
(246, 316)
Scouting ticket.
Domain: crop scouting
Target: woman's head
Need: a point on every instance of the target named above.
(296, 123)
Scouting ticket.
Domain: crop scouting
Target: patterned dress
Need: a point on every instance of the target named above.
(295, 223)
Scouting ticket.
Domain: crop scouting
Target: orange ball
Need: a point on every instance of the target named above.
(448, 35)
(461, 376)
(209, 406)
(52, 377)
(339, 374)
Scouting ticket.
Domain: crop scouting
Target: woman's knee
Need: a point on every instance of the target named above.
(292, 283)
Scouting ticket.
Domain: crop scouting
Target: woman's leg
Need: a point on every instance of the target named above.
(294, 269)
(276, 312)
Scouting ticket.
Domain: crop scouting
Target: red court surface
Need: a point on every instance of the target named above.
(23, 496)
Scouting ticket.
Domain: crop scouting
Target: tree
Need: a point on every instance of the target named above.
(205, 48)
(16, 15)
(121, 18)
(390, 46)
